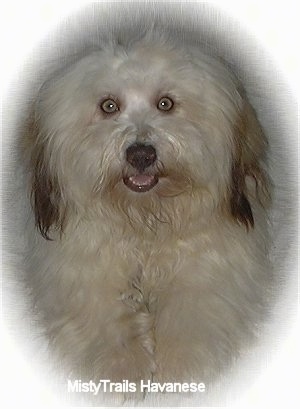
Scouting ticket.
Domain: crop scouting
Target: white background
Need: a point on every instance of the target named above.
(276, 24)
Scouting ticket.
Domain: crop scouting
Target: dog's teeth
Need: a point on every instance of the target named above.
(141, 180)
(141, 183)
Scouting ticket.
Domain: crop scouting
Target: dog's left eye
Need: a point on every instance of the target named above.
(109, 106)
(165, 104)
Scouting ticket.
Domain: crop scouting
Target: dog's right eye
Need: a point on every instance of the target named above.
(165, 104)
(109, 106)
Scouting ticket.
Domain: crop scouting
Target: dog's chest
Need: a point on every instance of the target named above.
(152, 269)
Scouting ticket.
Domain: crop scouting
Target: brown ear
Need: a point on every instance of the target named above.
(45, 192)
(250, 146)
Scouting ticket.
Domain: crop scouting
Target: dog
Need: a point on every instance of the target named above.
(146, 167)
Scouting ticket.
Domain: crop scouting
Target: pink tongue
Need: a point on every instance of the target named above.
(141, 180)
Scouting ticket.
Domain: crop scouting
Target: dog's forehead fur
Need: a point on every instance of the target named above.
(145, 69)
(138, 75)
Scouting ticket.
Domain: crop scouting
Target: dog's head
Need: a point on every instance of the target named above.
(151, 131)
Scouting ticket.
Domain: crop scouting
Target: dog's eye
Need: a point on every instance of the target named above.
(109, 106)
(165, 104)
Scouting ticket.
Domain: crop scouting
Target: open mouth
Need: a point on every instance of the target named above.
(140, 183)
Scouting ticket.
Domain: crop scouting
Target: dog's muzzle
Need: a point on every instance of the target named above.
(141, 157)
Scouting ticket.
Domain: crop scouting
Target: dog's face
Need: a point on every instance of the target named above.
(147, 132)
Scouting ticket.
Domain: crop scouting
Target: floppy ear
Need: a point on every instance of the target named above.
(45, 191)
(250, 146)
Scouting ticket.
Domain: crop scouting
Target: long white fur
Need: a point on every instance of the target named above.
(162, 285)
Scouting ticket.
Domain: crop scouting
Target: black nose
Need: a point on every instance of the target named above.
(140, 156)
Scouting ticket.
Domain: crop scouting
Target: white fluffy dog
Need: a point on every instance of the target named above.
(146, 171)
